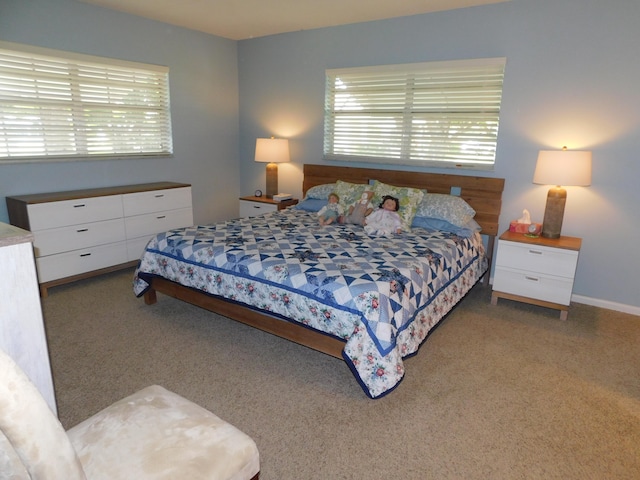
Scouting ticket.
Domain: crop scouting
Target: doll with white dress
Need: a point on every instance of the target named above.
(386, 219)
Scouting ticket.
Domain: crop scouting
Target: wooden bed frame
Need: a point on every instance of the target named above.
(483, 194)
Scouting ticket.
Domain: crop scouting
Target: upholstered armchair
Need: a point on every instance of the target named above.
(152, 434)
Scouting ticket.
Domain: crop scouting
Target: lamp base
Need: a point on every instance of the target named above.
(272, 180)
(554, 212)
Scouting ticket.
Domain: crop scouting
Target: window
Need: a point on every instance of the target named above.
(57, 104)
(442, 114)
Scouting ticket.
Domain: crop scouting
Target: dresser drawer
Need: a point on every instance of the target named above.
(147, 225)
(156, 201)
(533, 285)
(251, 209)
(135, 247)
(539, 259)
(67, 264)
(73, 212)
(58, 240)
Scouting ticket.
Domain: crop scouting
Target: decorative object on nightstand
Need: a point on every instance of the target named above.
(534, 230)
(282, 197)
(252, 206)
(539, 271)
(272, 151)
(525, 225)
(560, 167)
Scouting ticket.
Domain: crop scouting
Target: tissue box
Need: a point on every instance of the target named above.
(516, 227)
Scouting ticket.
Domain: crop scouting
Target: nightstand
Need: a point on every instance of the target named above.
(252, 206)
(539, 271)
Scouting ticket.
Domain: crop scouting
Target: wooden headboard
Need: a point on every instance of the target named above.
(482, 193)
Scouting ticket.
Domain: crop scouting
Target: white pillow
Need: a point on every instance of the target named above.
(321, 191)
(446, 207)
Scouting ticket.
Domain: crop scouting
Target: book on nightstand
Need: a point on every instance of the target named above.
(281, 197)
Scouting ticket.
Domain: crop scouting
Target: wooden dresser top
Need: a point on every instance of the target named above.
(94, 192)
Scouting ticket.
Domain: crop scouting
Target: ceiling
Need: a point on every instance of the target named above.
(242, 19)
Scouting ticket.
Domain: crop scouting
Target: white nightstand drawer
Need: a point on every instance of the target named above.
(251, 209)
(80, 261)
(73, 212)
(533, 285)
(57, 240)
(156, 201)
(145, 225)
(535, 258)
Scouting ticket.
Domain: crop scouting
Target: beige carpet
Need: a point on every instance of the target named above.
(496, 392)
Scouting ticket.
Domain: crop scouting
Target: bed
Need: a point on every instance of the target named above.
(370, 301)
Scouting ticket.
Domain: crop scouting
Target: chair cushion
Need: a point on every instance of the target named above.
(32, 437)
(11, 466)
(157, 434)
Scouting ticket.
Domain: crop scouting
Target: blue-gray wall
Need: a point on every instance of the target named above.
(203, 79)
(572, 79)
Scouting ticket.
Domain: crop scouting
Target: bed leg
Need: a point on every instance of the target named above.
(150, 297)
(490, 252)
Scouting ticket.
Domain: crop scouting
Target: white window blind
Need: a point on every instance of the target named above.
(443, 114)
(57, 104)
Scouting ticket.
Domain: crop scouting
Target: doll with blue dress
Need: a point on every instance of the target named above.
(331, 211)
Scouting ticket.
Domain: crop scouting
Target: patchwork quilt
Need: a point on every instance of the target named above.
(380, 295)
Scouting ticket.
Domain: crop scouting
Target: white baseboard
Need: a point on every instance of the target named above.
(597, 302)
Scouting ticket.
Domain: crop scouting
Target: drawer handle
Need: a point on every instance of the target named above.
(533, 279)
(85, 254)
(161, 217)
(160, 195)
(257, 206)
(535, 252)
(82, 230)
(80, 205)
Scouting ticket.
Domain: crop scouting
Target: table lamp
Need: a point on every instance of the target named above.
(560, 167)
(272, 151)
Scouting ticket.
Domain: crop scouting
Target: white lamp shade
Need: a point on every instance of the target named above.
(563, 167)
(272, 150)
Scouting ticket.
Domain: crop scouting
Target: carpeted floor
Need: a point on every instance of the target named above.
(496, 392)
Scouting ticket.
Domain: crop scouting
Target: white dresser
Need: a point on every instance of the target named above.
(87, 232)
(536, 270)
